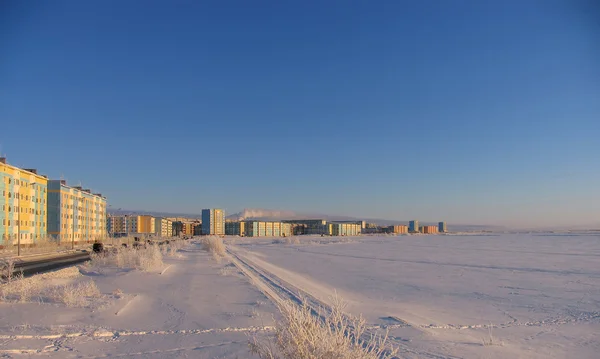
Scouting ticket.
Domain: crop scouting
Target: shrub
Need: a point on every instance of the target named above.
(214, 245)
(147, 258)
(302, 335)
(75, 295)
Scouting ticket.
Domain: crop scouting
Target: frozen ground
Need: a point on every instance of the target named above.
(539, 293)
(436, 294)
(196, 308)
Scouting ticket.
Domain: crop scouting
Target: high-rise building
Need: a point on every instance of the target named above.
(442, 227)
(74, 213)
(213, 221)
(413, 226)
(23, 204)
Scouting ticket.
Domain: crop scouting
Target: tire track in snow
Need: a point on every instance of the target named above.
(274, 287)
(105, 333)
(50, 349)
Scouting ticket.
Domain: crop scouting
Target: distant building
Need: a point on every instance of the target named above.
(23, 211)
(400, 229)
(235, 228)
(266, 229)
(362, 224)
(116, 226)
(198, 229)
(177, 228)
(163, 227)
(442, 227)
(345, 229)
(143, 224)
(429, 229)
(74, 213)
(213, 221)
(413, 226)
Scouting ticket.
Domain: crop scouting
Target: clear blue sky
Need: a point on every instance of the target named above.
(466, 111)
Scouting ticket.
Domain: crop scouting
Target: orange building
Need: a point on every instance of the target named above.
(430, 229)
(401, 229)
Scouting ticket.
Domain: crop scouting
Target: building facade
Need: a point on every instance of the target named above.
(235, 228)
(400, 229)
(116, 226)
(429, 229)
(266, 229)
(163, 227)
(74, 213)
(345, 229)
(23, 205)
(442, 227)
(213, 221)
(142, 224)
(413, 226)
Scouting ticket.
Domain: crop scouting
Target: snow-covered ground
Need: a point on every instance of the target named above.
(539, 293)
(196, 308)
(438, 296)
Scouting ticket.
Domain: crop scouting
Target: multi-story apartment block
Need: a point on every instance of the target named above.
(116, 226)
(345, 229)
(442, 227)
(265, 229)
(429, 229)
(74, 213)
(413, 226)
(189, 228)
(213, 221)
(400, 229)
(23, 204)
(163, 227)
(235, 228)
(140, 224)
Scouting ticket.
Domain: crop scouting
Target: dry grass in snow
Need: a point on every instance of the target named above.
(302, 335)
(215, 246)
(39, 288)
(147, 259)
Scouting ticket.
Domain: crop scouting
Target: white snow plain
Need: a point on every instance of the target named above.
(444, 296)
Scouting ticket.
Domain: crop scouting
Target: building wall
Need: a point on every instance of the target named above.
(235, 228)
(442, 227)
(23, 205)
(163, 227)
(345, 229)
(413, 226)
(146, 224)
(400, 229)
(430, 229)
(213, 221)
(75, 214)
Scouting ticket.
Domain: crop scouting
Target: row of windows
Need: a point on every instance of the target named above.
(81, 226)
(24, 210)
(6, 222)
(23, 197)
(21, 183)
(23, 236)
